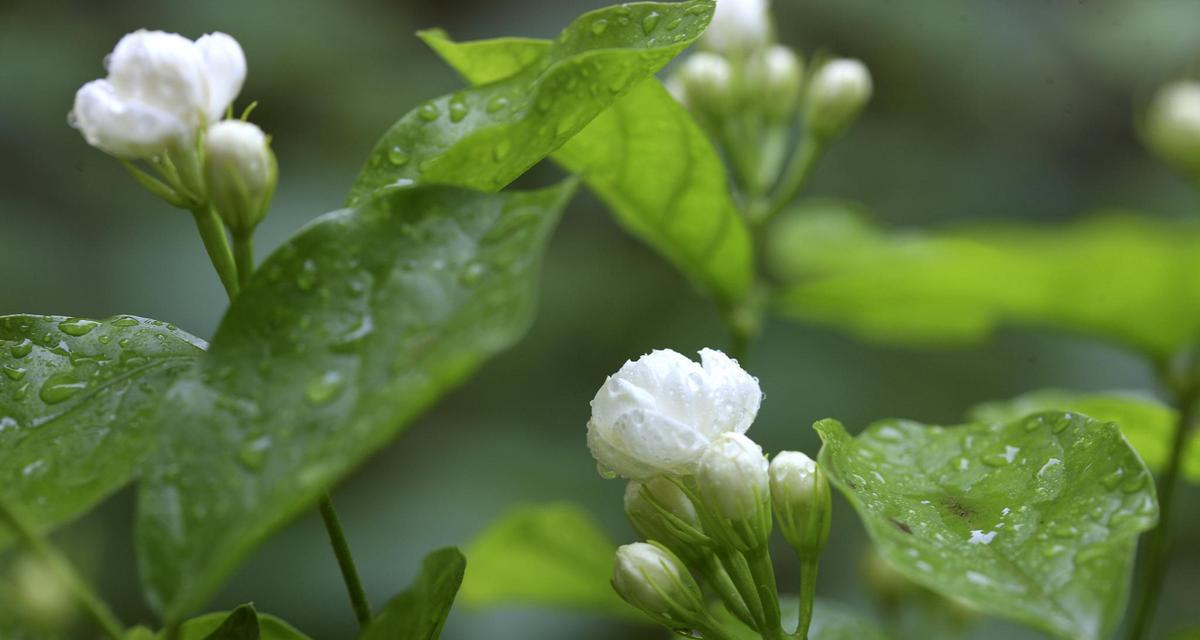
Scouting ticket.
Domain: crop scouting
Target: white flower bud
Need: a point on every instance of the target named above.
(733, 481)
(660, 511)
(240, 170)
(657, 415)
(837, 93)
(43, 595)
(706, 82)
(738, 26)
(160, 90)
(779, 74)
(800, 495)
(652, 579)
(1173, 126)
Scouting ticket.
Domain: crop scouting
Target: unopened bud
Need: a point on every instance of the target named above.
(660, 511)
(1173, 126)
(733, 481)
(738, 27)
(706, 80)
(800, 495)
(778, 74)
(653, 579)
(837, 93)
(240, 169)
(45, 597)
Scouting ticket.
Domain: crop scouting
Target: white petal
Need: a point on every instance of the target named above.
(161, 70)
(735, 394)
(226, 69)
(127, 130)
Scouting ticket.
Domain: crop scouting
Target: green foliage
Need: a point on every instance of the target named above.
(323, 358)
(682, 208)
(1122, 278)
(548, 555)
(487, 136)
(78, 407)
(243, 623)
(831, 621)
(1145, 422)
(420, 612)
(1035, 519)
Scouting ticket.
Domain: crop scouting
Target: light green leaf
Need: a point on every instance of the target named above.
(831, 621)
(485, 137)
(78, 401)
(420, 613)
(1146, 423)
(547, 555)
(1034, 520)
(242, 623)
(682, 208)
(341, 338)
(1122, 278)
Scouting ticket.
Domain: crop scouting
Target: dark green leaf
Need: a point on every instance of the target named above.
(548, 555)
(1146, 423)
(240, 624)
(682, 208)
(341, 338)
(420, 613)
(1125, 279)
(1034, 520)
(487, 136)
(78, 400)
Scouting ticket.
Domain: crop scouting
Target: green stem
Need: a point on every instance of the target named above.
(1158, 544)
(243, 257)
(794, 175)
(337, 538)
(216, 243)
(768, 594)
(808, 591)
(61, 566)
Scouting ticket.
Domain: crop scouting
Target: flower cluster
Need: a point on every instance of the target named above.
(702, 493)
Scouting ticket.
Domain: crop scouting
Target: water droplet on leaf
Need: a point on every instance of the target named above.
(60, 386)
(77, 326)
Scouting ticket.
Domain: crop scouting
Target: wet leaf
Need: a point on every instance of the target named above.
(78, 402)
(831, 621)
(341, 338)
(420, 612)
(485, 137)
(242, 623)
(682, 208)
(1034, 520)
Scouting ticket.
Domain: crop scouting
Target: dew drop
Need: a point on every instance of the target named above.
(1062, 424)
(14, 373)
(324, 388)
(429, 112)
(1113, 479)
(502, 150)
(496, 104)
(307, 278)
(1066, 531)
(22, 392)
(8, 422)
(105, 339)
(458, 110)
(1134, 484)
(254, 451)
(125, 321)
(35, 467)
(77, 326)
(123, 343)
(60, 386)
(600, 26)
(650, 21)
(21, 349)
(397, 157)
(473, 273)
(674, 24)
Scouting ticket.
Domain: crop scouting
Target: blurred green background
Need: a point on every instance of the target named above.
(1022, 109)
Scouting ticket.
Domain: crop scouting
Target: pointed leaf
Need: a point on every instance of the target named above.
(242, 623)
(485, 137)
(1034, 520)
(340, 339)
(78, 400)
(420, 613)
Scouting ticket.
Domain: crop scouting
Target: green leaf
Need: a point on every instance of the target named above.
(1147, 423)
(546, 555)
(242, 623)
(78, 400)
(485, 137)
(420, 613)
(1034, 520)
(341, 338)
(1122, 278)
(682, 208)
(831, 621)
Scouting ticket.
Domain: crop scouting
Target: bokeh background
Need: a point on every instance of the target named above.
(1021, 109)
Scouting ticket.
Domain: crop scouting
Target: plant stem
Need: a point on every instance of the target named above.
(1157, 546)
(808, 591)
(216, 243)
(337, 538)
(243, 257)
(794, 176)
(62, 566)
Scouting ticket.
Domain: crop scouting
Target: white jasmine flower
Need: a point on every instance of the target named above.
(160, 90)
(779, 73)
(657, 415)
(800, 496)
(654, 580)
(733, 477)
(1173, 125)
(738, 26)
(837, 93)
(706, 82)
(240, 170)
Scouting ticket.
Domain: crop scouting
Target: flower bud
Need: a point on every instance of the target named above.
(733, 482)
(738, 27)
(660, 511)
(706, 83)
(837, 93)
(651, 578)
(1172, 127)
(800, 495)
(656, 416)
(240, 170)
(778, 74)
(44, 596)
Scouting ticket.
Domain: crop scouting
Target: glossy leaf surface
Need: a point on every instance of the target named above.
(420, 612)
